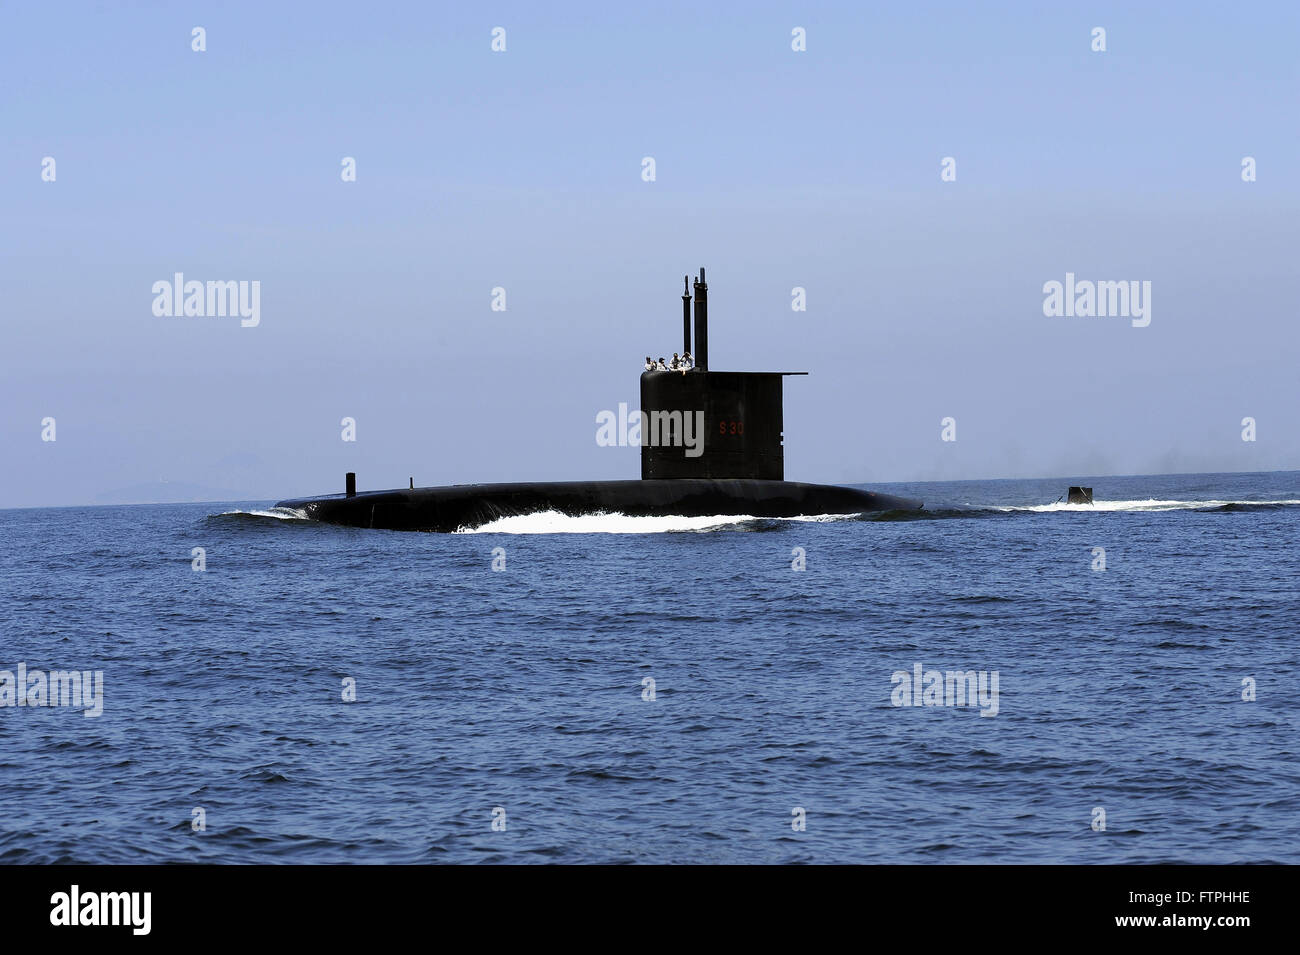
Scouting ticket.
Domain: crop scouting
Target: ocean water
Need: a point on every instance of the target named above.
(519, 696)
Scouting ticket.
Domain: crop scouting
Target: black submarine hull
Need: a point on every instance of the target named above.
(473, 505)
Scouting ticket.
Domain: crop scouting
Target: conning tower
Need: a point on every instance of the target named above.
(735, 427)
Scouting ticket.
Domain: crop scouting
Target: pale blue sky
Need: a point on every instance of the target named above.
(522, 169)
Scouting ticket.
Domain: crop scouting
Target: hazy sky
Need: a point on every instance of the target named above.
(523, 170)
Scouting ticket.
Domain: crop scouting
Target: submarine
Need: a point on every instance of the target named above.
(711, 445)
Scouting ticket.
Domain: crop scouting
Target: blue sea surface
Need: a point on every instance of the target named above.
(519, 695)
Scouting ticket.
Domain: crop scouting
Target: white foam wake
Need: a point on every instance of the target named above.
(603, 522)
(279, 513)
(1150, 504)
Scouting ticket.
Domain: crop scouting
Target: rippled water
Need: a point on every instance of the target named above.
(523, 688)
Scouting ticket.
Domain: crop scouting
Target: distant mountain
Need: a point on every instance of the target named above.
(171, 492)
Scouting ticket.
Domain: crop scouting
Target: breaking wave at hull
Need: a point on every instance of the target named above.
(260, 515)
(554, 522)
